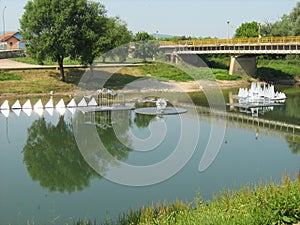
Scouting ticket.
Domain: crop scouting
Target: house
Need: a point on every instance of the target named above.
(11, 41)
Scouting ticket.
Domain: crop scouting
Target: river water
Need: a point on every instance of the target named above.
(48, 177)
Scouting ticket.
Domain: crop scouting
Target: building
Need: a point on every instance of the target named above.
(11, 41)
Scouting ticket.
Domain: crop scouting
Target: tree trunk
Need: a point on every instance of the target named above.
(60, 60)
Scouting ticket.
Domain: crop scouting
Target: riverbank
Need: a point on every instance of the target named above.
(21, 79)
(264, 203)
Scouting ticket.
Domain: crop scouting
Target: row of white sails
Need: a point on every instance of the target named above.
(38, 107)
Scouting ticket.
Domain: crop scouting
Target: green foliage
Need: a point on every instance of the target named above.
(145, 46)
(162, 70)
(226, 76)
(116, 40)
(78, 29)
(9, 76)
(179, 72)
(274, 70)
(264, 204)
(248, 30)
(288, 25)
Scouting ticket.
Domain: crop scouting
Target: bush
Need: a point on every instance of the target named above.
(9, 76)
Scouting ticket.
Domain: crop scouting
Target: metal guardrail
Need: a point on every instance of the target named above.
(289, 39)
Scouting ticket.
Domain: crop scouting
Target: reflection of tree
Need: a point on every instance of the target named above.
(116, 145)
(103, 138)
(142, 120)
(52, 157)
(294, 143)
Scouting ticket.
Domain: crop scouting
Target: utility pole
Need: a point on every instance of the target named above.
(4, 27)
(228, 29)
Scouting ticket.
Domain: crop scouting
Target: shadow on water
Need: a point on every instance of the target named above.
(274, 76)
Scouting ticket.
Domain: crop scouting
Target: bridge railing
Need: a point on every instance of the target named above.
(289, 39)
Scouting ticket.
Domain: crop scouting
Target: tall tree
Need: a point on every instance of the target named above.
(248, 30)
(117, 39)
(145, 46)
(60, 28)
(287, 25)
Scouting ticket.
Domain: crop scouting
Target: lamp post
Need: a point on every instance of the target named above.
(4, 25)
(228, 29)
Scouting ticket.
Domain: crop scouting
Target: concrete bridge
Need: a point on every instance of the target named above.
(243, 51)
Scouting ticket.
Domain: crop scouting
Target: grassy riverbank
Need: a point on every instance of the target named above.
(44, 81)
(26, 82)
(264, 203)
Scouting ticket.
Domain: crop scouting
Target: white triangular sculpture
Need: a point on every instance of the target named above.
(60, 104)
(27, 111)
(38, 105)
(5, 105)
(82, 103)
(16, 105)
(72, 104)
(61, 110)
(49, 104)
(39, 111)
(93, 102)
(72, 110)
(27, 105)
(50, 111)
(5, 112)
(17, 111)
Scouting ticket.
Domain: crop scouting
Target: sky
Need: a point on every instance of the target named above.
(197, 18)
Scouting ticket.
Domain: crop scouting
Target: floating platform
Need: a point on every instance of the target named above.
(254, 105)
(106, 108)
(153, 111)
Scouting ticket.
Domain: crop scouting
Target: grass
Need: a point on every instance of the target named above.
(268, 203)
(286, 67)
(39, 81)
(263, 203)
(183, 73)
(4, 76)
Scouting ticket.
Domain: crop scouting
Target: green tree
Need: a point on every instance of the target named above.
(247, 30)
(288, 25)
(117, 39)
(63, 28)
(145, 46)
(283, 27)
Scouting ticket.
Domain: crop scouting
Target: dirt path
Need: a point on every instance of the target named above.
(6, 63)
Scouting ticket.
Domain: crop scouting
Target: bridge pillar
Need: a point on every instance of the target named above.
(243, 65)
(173, 58)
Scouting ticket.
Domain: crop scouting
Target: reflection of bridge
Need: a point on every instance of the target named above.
(257, 125)
(243, 50)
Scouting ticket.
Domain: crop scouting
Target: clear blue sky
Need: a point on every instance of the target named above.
(176, 17)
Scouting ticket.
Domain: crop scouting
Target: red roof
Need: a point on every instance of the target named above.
(8, 35)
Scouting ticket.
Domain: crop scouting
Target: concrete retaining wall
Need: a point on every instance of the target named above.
(4, 54)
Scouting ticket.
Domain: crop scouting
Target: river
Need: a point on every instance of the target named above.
(47, 177)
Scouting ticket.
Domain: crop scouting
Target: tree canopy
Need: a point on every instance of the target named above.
(288, 25)
(248, 30)
(145, 46)
(78, 29)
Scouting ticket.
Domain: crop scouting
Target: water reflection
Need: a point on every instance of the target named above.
(66, 186)
(293, 142)
(52, 157)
